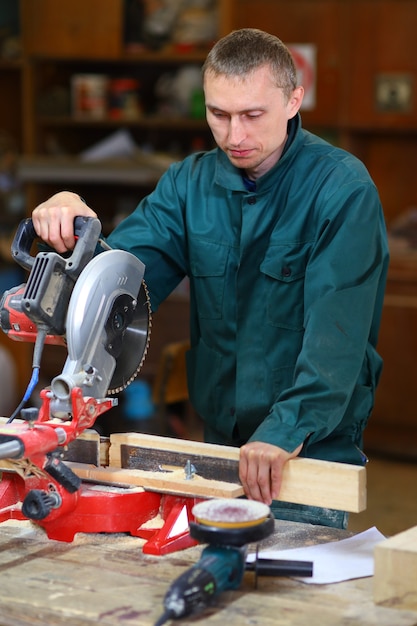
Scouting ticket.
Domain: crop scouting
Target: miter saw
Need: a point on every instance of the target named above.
(96, 305)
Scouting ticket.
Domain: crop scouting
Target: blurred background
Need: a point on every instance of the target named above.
(99, 97)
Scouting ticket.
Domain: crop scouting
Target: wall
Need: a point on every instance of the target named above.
(359, 42)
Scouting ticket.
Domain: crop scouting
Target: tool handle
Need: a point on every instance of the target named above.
(86, 229)
(281, 567)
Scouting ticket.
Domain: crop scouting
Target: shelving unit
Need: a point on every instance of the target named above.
(359, 46)
(150, 126)
(66, 39)
(60, 40)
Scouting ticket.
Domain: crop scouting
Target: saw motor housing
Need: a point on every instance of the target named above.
(45, 297)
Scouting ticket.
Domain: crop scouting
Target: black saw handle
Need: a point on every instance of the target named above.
(87, 232)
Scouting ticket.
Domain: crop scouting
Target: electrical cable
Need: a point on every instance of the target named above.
(165, 617)
(36, 364)
(32, 384)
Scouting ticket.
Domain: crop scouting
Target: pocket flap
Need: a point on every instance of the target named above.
(208, 258)
(285, 262)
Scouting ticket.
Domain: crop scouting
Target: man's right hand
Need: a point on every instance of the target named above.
(53, 220)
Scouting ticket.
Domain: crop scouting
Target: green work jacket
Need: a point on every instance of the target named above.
(286, 292)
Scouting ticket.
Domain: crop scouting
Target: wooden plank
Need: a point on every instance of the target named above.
(326, 484)
(85, 449)
(305, 481)
(173, 482)
(167, 444)
(206, 466)
(396, 571)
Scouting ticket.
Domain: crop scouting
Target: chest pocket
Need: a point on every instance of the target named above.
(284, 268)
(208, 268)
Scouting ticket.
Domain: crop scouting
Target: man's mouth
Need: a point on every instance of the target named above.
(240, 154)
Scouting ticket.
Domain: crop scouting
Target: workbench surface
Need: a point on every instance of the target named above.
(107, 580)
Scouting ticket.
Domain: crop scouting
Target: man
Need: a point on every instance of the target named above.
(282, 236)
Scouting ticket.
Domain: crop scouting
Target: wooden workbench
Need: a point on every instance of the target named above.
(107, 580)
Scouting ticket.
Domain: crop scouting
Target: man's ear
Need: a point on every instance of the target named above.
(295, 101)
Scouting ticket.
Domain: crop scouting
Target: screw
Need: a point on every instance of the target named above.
(189, 470)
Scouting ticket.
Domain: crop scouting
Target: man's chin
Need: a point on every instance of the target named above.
(241, 162)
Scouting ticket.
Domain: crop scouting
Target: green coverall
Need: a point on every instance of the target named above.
(286, 292)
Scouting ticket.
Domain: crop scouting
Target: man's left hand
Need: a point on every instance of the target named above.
(260, 469)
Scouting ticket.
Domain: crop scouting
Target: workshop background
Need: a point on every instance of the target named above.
(100, 96)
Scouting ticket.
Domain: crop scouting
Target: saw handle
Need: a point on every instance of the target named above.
(86, 229)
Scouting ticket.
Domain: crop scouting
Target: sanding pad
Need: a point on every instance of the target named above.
(232, 522)
(230, 512)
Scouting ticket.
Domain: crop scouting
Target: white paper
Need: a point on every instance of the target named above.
(334, 561)
(119, 144)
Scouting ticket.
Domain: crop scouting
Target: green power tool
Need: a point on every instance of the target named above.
(227, 526)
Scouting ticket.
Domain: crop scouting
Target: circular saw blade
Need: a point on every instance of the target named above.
(135, 344)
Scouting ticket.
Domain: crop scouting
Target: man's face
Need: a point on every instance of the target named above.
(248, 118)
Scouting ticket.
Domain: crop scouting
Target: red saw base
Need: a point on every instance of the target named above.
(109, 509)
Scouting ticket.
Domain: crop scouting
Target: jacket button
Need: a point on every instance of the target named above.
(252, 200)
(286, 271)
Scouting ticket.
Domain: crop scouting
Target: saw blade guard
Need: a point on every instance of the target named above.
(107, 329)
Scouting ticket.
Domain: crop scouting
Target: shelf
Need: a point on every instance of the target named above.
(151, 122)
(167, 55)
(133, 172)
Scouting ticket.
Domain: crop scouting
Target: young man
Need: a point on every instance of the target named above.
(283, 239)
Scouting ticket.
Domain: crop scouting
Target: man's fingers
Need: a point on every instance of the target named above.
(53, 220)
(255, 476)
(261, 467)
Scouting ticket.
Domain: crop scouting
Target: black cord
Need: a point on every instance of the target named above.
(36, 364)
(32, 384)
(164, 618)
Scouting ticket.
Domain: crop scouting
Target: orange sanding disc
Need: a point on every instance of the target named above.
(230, 513)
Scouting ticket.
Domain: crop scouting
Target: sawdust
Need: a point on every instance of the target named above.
(26, 529)
(230, 511)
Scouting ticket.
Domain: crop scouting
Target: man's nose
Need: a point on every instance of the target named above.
(236, 132)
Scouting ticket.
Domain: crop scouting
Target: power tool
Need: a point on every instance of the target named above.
(227, 526)
(96, 305)
(98, 308)
(95, 302)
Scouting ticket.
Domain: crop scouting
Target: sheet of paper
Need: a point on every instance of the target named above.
(334, 561)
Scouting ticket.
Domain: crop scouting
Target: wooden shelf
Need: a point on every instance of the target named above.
(167, 55)
(153, 122)
(107, 172)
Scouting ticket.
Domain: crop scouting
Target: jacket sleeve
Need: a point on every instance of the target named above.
(337, 369)
(155, 233)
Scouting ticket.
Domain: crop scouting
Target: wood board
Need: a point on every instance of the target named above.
(395, 577)
(172, 481)
(305, 481)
